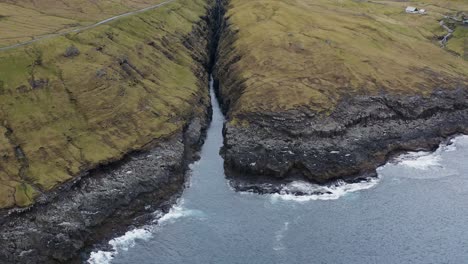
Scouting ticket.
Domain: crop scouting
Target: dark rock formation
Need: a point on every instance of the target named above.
(357, 137)
(265, 145)
(102, 202)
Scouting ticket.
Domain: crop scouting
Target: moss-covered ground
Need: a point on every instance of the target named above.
(132, 82)
(282, 55)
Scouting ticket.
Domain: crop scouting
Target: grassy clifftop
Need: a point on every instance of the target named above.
(72, 102)
(281, 55)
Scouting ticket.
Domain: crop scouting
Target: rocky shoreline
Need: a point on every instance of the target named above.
(344, 138)
(105, 202)
(274, 147)
(360, 135)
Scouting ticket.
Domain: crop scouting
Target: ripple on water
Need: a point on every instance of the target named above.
(279, 237)
(416, 165)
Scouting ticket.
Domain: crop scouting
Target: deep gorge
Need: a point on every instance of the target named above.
(102, 202)
(289, 118)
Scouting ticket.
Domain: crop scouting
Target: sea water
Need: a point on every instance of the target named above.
(416, 211)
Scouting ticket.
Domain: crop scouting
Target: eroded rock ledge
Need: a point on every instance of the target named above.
(357, 137)
(297, 108)
(100, 204)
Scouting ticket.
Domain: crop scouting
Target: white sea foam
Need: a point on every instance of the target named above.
(177, 212)
(426, 165)
(100, 257)
(130, 238)
(424, 160)
(312, 192)
(421, 160)
(119, 244)
(194, 164)
(461, 141)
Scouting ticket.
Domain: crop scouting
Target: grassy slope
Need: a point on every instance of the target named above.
(305, 53)
(22, 20)
(438, 9)
(117, 95)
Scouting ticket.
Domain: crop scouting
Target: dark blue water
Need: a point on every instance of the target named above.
(416, 212)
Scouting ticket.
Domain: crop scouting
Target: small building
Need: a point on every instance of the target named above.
(415, 10)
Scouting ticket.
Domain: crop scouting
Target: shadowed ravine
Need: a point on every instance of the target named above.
(99, 129)
(413, 213)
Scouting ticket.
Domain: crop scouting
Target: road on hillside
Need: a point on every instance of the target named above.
(76, 30)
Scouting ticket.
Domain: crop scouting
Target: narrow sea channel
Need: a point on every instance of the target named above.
(415, 212)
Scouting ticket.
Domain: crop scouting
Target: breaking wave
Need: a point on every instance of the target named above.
(118, 244)
(421, 160)
(302, 191)
(424, 160)
(311, 192)
(176, 212)
(129, 240)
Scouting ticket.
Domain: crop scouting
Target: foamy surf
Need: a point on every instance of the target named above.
(460, 140)
(178, 211)
(129, 240)
(421, 160)
(312, 192)
(119, 244)
(424, 160)
(302, 191)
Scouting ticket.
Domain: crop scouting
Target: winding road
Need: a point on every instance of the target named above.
(446, 38)
(76, 30)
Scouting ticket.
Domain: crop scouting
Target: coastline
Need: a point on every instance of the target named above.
(349, 144)
(102, 204)
(105, 200)
(361, 134)
(284, 125)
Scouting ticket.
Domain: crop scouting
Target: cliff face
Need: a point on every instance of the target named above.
(323, 90)
(98, 125)
(312, 89)
(70, 103)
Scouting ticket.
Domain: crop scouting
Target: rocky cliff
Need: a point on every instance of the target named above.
(321, 90)
(97, 125)
(73, 102)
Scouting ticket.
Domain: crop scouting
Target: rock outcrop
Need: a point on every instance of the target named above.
(314, 91)
(104, 202)
(357, 137)
(62, 116)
